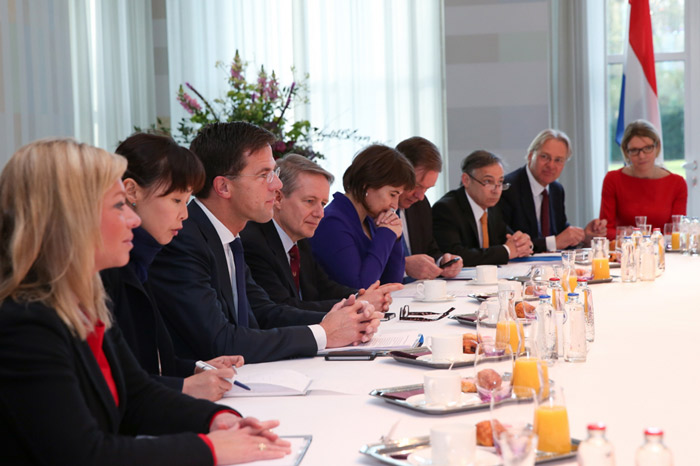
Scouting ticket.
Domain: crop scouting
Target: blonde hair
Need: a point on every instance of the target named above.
(643, 129)
(50, 210)
(544, 136)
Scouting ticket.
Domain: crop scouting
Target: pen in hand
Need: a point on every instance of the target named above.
(207, 367)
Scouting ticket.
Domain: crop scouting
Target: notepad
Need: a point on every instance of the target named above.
(267, 382)
(384, 342)
(300, 444)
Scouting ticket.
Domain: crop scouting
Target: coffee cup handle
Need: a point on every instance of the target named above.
(420, 290)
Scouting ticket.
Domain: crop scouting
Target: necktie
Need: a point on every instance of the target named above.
(239, 261)
(404, 245)
(485, 230)
(294, 263)
(544, 214)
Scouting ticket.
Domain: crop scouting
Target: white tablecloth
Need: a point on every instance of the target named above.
(642, 370)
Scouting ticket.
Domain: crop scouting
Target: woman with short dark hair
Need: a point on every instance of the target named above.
(359, 239)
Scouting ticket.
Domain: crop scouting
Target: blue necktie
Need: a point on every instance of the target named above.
(239, 261)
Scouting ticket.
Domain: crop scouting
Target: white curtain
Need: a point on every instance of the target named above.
(74, 68)
(374, 66)
(35, 79)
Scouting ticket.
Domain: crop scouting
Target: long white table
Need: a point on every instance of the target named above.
(642, 370)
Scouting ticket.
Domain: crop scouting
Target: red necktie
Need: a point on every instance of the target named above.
(544, 214)
(294, 263)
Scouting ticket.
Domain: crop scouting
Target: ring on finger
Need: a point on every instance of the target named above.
(262, 446)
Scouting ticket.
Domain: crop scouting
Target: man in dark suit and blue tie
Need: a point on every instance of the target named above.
(534, 203)
(278, 253)
(206, 294)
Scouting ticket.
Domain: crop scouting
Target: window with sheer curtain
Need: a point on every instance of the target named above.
(373, 66)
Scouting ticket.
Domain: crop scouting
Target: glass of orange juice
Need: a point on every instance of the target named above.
(529, 370)
(551, 422)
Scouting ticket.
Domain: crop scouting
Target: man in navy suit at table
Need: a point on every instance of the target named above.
(423, 256)
(534, 203)
(467, 222)
(278, 252)
(207, 296)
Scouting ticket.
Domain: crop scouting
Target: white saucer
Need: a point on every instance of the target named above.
(477, 283)
(424, 457)
(466, 399)
(444, 299)
(462, 358)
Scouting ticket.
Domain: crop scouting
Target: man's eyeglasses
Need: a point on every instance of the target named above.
(546, 158)
(646, 149)
(490, 183)
(406, 314)
(269, 176)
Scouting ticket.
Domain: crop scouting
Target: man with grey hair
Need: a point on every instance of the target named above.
(467, 222)
(278, 253)
(535, 201)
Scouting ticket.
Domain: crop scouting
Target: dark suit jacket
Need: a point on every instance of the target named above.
(56, 408)
(455, 230)
(267, 260)
(192, 286)
(143, 327)
(419, 219)
(518, 207)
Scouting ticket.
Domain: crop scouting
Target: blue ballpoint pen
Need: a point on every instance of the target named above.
(207, 367)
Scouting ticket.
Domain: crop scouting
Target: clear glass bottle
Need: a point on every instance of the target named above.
(575, 346)
(506, 329)
(637, 238)
(647, 260)
(546, 330)
(694, 237)
(584, 290)
(658, 239)
(684, 228)
(557, 293)
(596, 450)
(628, 261)
(653, 452)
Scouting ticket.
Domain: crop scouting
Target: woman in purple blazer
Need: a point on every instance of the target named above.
(359, 239)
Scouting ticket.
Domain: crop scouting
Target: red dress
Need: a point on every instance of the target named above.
(625, 197)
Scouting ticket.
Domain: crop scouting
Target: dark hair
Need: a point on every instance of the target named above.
(421, 153)
(479, 159)
(156, 160)
(292, 165)
(377, 166)
(223, 147)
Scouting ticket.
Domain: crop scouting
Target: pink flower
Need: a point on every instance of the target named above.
(187, 102)
(237, 67)
(279, 146)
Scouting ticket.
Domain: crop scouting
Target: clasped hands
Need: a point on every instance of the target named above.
(519, 244)
(350, 322)
(243, 440)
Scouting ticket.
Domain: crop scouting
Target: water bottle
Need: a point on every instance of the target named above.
(658, 239)
(596, 450)
(628, 261)
(584, 290)
(575, 346)
(684, 228)
(557, 293)
(653, 452)
(546, 330)
(647, 260)
(694, 237)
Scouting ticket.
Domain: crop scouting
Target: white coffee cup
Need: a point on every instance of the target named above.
(432, 290)
(486, 274)
(453, 444)
(446, 348)
(442, 388)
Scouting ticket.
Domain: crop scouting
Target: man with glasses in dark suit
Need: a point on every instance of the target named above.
(467, 222)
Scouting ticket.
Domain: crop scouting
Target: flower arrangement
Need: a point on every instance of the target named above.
(262, 102)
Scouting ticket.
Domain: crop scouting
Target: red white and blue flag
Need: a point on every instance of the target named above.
(638, 98)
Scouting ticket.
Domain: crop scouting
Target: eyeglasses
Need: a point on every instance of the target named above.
(635, 151)
(269, 176)
(406, 314)
(490, 183)
(546, 158)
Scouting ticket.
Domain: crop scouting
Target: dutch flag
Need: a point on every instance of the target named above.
(638, 98)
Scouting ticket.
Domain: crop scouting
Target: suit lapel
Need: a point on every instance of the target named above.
(272, 238)
(414, 231)
(92, 369)
(467, 208)
(528, 202)
(225, 284)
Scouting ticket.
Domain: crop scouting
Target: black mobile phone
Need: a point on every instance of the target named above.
(449, 262)
(351, 356)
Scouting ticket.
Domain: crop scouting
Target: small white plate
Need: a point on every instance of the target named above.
(478, 283)
(424, 457)
(466, 399)
(462, 358)
(444, 299)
